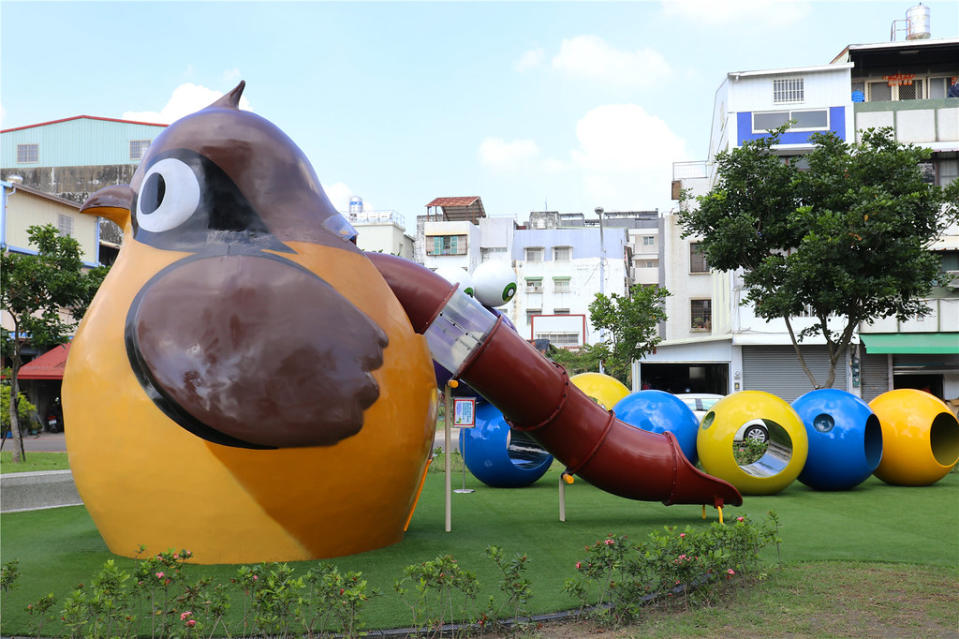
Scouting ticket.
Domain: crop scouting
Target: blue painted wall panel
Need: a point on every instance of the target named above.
(744, 127)
(585, 242)
(77, 142)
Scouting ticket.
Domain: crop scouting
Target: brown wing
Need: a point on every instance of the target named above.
(254, 350)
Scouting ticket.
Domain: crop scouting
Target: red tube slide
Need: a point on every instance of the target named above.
(536, 396)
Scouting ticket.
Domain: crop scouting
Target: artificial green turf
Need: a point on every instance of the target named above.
(875, 522)
(34, 461)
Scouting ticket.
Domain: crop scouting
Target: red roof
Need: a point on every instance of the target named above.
(454, 201)
(77, 117)
(50, 365)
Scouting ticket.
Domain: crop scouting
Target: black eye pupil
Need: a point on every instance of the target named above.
(151, 195)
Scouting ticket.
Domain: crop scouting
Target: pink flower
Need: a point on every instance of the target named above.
(740, 519)
(255, 577)
(185, 615)
(609, 542)
(159, 575)
(579, 565)
(681, 535)
(731, 572)
(190, 623)
(682, 556)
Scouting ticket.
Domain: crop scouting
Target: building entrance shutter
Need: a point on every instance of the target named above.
(776, 370)
(875, 376)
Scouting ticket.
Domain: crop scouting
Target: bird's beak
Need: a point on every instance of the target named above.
(111, 202)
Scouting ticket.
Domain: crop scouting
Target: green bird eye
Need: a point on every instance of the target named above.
(509, 291)
(469, 291)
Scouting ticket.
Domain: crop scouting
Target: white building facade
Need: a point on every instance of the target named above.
(714, 343)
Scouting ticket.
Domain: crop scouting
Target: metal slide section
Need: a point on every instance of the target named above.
(536, 396)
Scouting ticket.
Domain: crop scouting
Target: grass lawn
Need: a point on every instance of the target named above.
(35, 461)
(875, 523)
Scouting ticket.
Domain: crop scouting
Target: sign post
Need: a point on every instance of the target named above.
(464, 412)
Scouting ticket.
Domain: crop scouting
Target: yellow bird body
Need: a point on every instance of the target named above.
(146, 480)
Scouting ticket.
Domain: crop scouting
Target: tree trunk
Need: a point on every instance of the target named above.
(19, 455)
(802, 360)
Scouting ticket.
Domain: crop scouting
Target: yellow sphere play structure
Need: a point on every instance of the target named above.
(920, 437)
(604, 389)
(760, 417)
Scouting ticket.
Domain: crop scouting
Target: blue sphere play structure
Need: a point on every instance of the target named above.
(499, 456)
(657, 412)
(845, 439)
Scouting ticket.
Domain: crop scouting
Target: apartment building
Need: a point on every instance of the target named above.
(714, 343)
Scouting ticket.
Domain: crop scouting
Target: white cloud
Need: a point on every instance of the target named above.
(186, 99)
(626, 156)
(591, 56)
(530, 60)
(722, 12)
(500, 155)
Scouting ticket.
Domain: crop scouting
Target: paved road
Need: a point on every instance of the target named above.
(55, 442)
(44, 442)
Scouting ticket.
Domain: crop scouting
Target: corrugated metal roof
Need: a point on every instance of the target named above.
(79, 117)
(50, 365)
(454, 201)
(468, 208)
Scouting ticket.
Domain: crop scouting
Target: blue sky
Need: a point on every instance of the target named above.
(572, 105)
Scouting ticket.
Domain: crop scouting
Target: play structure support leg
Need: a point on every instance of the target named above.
(447, 416)
(562, 499)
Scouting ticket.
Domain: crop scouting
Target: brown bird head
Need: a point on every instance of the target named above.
(220, 176)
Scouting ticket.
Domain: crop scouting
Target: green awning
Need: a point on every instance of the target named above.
(561, 277)
(903, 343)
(534, 278)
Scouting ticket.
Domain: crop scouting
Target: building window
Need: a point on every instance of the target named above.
(534, 285)
(786, 90)
(560, 339)
(650, 263)
(138, 148)
(802, 120)
(562, 253)
(446, 245)
(560, 311)
(911, 91)
(561, 285)
(948, 172)
(697, 261)
(938, 87)
(65, 225)
(28, 153)
(534, 254)
(530, 312)
(880, 91)
(492, 253)
(649, 240)
(700, 315)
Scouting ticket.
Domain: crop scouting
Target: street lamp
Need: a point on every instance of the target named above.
(602, 267)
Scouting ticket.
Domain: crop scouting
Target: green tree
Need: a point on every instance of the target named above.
(45, 295)
(630, 325)
(845, 239)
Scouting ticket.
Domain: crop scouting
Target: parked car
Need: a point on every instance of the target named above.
(700, 403)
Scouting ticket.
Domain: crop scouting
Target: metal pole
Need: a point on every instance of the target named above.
(602, 265)
(447, 418)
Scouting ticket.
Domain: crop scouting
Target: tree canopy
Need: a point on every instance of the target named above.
(630, 328)
(846, 238)
(45, 295)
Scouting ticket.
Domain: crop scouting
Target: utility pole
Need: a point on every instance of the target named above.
(602, 265)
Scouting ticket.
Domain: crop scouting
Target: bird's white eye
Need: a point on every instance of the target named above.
(494, 283)
(168, 197)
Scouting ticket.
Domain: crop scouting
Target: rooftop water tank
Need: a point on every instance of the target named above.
(919, 23)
